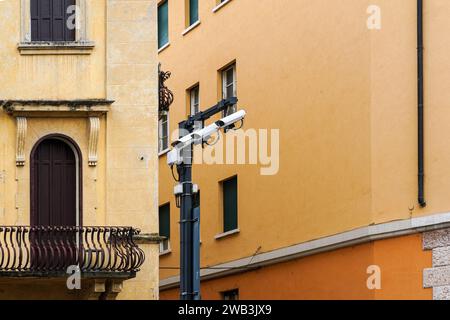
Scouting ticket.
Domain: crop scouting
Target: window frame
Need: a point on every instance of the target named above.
(166, 44)
(189, 21)
(192, 103)
(160, 129)
(164, 245)
(224, 86)
(227, 293)
(81, 33)
(234, 229)
(220, 4)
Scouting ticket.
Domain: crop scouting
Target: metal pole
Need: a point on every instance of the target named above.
(186, 227)
(190, 216)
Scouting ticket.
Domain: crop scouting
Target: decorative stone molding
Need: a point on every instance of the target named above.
(438, 277)
(56, 48)
(56, 108)
(93, 140)
(88, 108)
(20, 140)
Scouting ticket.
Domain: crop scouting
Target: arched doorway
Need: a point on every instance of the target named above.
(55, 182)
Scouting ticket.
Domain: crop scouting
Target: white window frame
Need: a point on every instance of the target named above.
(225, 87)
(193, 104)
(160, 133)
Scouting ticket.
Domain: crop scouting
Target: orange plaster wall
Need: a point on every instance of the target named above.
(402, 261)
(340, 274)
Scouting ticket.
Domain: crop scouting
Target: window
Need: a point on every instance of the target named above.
(230, 295)
(229, 87)
(163, 24)
(163, 132)
(194, 97)
(230, 204)
(220, 4)
(192, 12)
(164, 227)
(52, 20)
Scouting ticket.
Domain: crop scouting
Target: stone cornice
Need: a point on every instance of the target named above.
(60, 108)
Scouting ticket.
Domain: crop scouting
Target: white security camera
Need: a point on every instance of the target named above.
(231, 119)
(205, 133)
(175, 157)
(183, 142)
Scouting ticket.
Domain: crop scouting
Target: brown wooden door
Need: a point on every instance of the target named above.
(54, 195)
(55, 184)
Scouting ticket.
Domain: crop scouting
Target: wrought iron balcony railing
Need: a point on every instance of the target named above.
(49, 250)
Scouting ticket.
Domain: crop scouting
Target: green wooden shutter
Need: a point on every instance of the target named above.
(163, 24)
(230, 205)
(164, 221)
(193, 11)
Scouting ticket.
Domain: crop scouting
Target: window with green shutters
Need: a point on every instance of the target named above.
(230, 204)
(163, 24)
(193, 12)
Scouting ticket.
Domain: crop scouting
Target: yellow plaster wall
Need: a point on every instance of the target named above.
(303, 67)
(122, 189)
(345, 100)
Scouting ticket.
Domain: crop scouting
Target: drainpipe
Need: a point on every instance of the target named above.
(420, 103)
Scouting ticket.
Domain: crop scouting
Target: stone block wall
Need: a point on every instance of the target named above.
(438, 277)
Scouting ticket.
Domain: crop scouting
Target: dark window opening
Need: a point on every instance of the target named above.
(164, 226)
(230, 204)
(230, 295)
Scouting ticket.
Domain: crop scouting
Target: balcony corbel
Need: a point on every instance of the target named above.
(20, 140)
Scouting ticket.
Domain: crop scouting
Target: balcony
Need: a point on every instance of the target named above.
(48, 251)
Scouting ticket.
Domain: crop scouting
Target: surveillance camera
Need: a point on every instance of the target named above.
(231, 119)
(183, 142)
(174, 157)
(205, 133)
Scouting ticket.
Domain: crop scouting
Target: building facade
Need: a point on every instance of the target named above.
(338, 217)
(78, 149)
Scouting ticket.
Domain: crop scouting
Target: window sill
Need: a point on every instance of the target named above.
(191, 27)
(165, 252)
(164, 47)
(221, 5)
(56, 48)
(163, 153)
(227, 234)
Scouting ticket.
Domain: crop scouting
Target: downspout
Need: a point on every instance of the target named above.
(420, 105)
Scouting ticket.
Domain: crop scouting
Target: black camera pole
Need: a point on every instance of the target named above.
(189, 242)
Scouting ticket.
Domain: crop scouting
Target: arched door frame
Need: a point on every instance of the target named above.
(79, 176)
